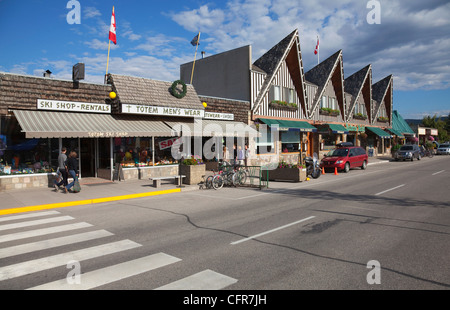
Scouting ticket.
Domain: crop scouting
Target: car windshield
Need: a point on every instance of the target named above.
(406, 148)
(444, 145)
(340, 152)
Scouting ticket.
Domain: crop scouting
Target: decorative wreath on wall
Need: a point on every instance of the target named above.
(176, 92)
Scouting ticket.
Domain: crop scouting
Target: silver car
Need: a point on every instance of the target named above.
(408, 152)
(443, 149)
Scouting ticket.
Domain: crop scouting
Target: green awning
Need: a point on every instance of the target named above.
(359, 128)
(339, 129)
(396, 132)
(379, 132)
(290, 125)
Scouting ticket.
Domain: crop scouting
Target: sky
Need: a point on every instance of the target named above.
(409, 39)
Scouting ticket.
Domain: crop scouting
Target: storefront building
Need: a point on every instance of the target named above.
(322, 108)
(126, 136)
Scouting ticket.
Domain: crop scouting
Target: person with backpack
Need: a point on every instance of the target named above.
(72, 167)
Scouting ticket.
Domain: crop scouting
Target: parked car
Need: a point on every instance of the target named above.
(443, 149)
(344, 157)
(408, 152)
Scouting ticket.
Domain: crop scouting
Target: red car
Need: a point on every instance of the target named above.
(344, 157)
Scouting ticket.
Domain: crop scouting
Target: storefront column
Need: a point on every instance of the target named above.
(111, 153)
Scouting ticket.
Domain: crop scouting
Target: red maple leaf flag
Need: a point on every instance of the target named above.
(112, 28)
(317, 47)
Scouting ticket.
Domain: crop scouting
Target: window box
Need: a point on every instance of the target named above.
(383, 119)
(276, 104)
(329, 112)
(360, 116)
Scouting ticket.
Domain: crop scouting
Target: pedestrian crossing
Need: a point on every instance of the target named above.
(18, 236)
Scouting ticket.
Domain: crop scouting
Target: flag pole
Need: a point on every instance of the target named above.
(318, 51)
(195, 56)
(107, 61)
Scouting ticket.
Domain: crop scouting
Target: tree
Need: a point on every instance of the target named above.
(440, 125)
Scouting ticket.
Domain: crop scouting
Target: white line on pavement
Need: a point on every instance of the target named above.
(388, 190)
(204, 280)
(438, 172)
(52, 243)
(24, 268)
(36, 222)
(28, 215)
(272, 230)
(111, 274)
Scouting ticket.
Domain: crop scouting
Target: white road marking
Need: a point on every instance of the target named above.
(52, 243)
(36, 222)
(111, 274)
(272, 230)
(28, 215)
(388, 190)
(438, 172)
(28, 267)
(43, 231)
(204, 280)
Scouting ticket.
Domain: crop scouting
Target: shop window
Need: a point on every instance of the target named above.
(19, 155)
(133, 151)
(289, 95)
(290, 141)
(274, 93)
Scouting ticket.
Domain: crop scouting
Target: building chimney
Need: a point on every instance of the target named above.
(47, 74)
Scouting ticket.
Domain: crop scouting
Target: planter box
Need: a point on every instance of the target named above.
(194, 173)
(288, 174)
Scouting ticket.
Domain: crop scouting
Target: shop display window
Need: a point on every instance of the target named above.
(163, 150)
(19, 155)
(133, 152)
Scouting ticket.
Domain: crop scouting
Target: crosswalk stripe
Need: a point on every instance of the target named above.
(204, 280)
(36, 222)
(52, 243)
(24, 268)
(43, 231)
(111, 274)
(24, 216)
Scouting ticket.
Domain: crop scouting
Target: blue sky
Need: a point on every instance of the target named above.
(412, 40)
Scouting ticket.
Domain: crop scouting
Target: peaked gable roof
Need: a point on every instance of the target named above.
(382, 90)
(287, 50)
(359, 83)
(331, 69)
(143, 91)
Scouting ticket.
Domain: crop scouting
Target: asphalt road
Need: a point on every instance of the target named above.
(384, 228)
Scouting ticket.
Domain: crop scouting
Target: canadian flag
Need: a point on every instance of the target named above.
(112, 28)
(317, 47)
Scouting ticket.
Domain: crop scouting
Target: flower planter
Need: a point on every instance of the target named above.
(288, 174)
(194, 173)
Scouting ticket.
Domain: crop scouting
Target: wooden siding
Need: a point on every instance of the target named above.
(283, 79)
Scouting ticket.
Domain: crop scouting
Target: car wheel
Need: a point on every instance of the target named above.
(364, 165)
(347, 167)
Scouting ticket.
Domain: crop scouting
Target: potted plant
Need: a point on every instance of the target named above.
(194, 169)
(288, 172)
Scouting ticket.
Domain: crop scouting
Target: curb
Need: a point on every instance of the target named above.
(86, 202)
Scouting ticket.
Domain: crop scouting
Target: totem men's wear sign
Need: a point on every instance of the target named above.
(167, 111)
(69, 106)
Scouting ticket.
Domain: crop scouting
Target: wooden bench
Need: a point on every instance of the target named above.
(178, 179)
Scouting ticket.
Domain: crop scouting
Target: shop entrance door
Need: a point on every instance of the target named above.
(87, 157)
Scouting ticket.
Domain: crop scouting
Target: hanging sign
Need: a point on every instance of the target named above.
(155, 110)
(69, 106)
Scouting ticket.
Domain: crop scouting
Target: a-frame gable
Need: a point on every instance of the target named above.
(383, 91)
(330, 70)
(359, 84)
(287, 50)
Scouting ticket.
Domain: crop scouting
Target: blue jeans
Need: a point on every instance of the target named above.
(74, 176)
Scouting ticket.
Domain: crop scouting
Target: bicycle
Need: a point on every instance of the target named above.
(428, 153)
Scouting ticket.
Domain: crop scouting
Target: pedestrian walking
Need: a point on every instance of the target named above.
(72, 167)
(240, 156)
(62, 170)
(247, 155)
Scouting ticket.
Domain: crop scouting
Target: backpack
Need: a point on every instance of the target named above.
(76, 186)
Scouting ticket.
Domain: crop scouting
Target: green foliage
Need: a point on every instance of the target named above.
(441, 125)
(330, 111)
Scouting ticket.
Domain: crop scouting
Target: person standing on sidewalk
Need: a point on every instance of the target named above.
(72, 167)
(62, 169)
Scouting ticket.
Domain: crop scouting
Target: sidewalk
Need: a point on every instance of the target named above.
(17, 201)
(92, 192)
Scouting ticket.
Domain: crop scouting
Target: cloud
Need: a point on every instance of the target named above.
(412, 41)
(90, 12)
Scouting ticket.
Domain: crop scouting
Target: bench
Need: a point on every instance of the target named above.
(177, 178)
